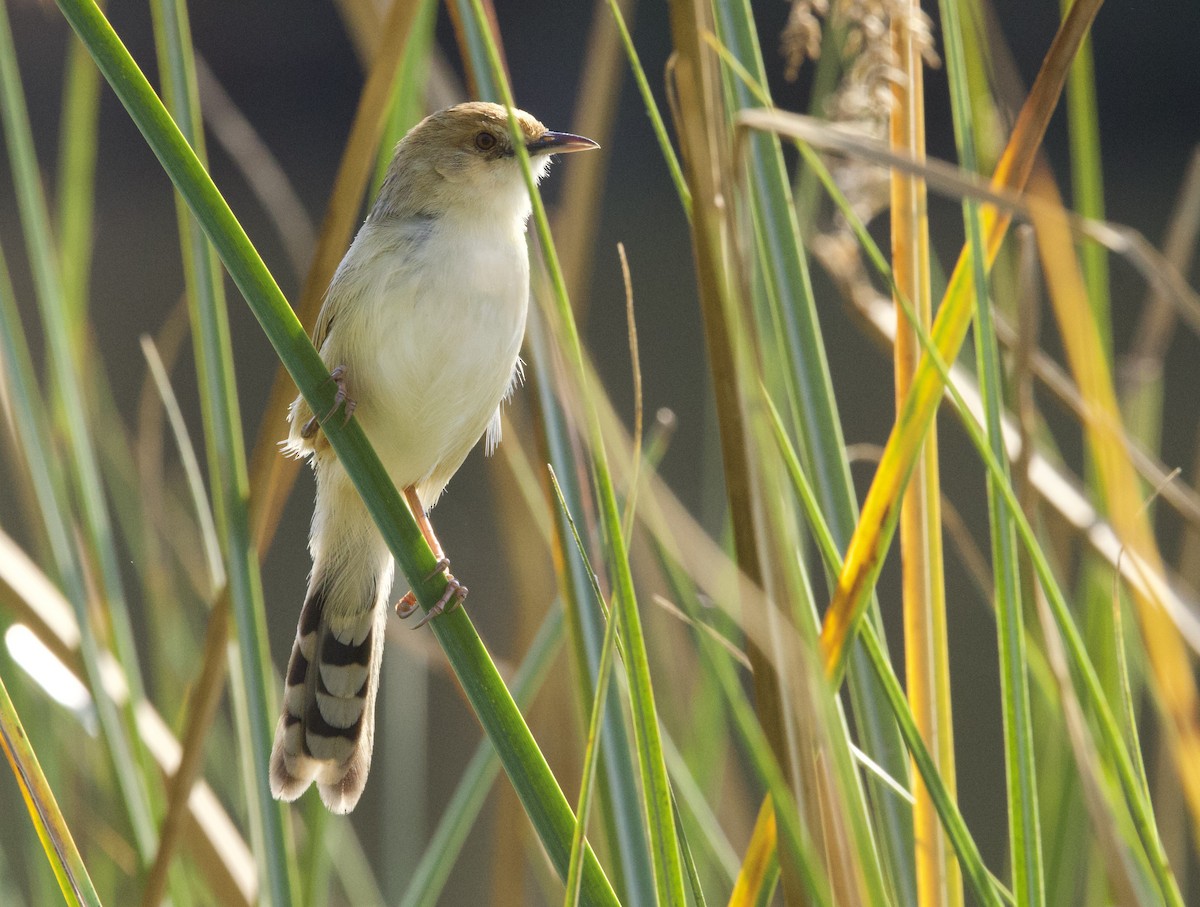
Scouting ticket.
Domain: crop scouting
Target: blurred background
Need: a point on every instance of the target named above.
(295, 74)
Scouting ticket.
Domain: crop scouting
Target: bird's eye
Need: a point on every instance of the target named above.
(485, 141)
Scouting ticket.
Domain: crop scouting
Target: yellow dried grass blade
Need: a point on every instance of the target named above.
(39, 798)
(1167, 657)
(869, 544)
(756, 869)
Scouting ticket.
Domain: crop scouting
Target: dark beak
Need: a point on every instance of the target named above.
(559, 143)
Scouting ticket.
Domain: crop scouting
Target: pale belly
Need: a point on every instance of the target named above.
(431, 349)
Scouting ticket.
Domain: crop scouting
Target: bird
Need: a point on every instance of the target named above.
(421, 328)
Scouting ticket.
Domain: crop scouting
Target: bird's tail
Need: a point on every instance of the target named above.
(327, 727)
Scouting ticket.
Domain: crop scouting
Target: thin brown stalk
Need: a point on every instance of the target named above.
(202, 711)
(1158, 319)
(695, 87)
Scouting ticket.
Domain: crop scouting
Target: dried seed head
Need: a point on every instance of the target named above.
(800, 39)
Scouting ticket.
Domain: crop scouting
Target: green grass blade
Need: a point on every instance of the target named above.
(690, 794)
(77, 175)
(652, 111)
(408, 103)
(1087, 177)
(50, 492)
(1020, 770)
(596, 715)
(441, 852)
(795, 841)
(526, 767)
(84, 470)
(1112, 744)
(585, 628)
(65, 367)
(227, 467)
(664, 848)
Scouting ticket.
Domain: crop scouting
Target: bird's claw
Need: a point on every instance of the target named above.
(338, 376)
(454, 595)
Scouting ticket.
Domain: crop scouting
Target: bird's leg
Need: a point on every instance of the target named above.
(338, 376)
(455, 591)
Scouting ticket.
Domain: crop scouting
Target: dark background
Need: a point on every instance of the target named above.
(293, 72)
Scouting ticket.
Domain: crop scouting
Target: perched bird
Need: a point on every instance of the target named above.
(421, 327)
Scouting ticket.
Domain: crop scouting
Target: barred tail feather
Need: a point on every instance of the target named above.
(326, 731)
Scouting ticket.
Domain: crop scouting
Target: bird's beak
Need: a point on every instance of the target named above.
(559, 143)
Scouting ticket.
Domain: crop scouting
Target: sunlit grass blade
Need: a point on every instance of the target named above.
(760, 868)
(1112, 745)
(540, 794)
(864, 556)
(51, 827)
(213, 841)
(1167, 656)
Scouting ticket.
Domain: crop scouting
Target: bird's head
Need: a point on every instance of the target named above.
(462, 159)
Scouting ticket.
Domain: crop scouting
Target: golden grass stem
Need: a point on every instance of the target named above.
(939, 881)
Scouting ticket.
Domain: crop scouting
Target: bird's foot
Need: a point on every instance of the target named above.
(338, 376)
(454, 596)
(407, 604)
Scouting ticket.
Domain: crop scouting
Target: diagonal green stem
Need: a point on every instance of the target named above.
(526, 766)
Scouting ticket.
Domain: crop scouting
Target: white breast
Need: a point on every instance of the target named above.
(429, 330)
